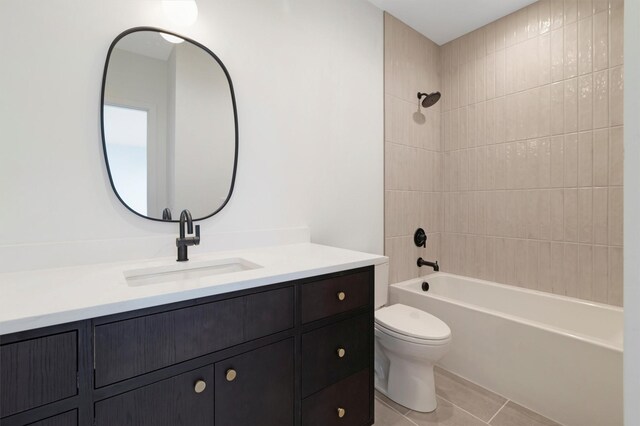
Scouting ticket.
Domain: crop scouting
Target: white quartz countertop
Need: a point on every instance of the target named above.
(40, 298)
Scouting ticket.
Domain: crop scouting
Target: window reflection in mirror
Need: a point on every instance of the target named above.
(169, 126)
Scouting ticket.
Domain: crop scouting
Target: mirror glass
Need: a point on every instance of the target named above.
(169, 125)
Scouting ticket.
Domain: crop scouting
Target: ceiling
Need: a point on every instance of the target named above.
(444, 20)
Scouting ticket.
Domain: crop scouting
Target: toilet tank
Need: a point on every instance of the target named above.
(381, 283)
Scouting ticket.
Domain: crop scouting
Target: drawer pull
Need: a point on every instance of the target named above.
(231, 375)
(341, 352)
(341, 412)
(200, 386)
(341, 296)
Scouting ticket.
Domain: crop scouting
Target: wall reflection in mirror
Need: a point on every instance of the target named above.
(169, 125)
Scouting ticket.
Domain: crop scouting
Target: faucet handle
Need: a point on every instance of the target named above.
(197, 237)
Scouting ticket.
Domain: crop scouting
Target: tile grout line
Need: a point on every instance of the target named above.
(497, 412)
(396, 411)
(462, 409)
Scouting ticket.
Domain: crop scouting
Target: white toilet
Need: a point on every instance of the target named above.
(408, 342)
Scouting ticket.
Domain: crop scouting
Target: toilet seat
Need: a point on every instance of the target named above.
(412, 325)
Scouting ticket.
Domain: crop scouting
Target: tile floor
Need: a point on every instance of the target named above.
(460, 403)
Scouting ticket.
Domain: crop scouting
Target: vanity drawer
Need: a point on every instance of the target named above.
(183, 400)
(332, 296)
(334, 352)
(70, 418)
(38, 371)
(131, 347)
(350, 398)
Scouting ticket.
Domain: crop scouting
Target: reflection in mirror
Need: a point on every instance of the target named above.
(169, 125)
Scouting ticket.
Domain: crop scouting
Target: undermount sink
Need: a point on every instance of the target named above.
(186, 271)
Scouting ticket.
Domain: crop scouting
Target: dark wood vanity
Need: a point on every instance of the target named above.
(295, 353)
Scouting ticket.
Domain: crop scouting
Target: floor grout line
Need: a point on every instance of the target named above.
(500, 409)
(460, 408)
(396, 411)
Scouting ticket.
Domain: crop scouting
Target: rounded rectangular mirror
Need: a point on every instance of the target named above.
(169, 125)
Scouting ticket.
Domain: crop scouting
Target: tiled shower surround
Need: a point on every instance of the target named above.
(531, 151)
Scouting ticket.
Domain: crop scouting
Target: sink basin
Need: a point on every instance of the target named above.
(186, 271)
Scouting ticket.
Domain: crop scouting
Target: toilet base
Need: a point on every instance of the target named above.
(410, 384)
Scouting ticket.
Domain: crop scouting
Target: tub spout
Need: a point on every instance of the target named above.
(421, 262)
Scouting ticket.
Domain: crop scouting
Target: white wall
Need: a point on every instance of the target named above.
(308, 77)
(631, 216)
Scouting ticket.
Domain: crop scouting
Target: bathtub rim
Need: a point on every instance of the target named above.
(404, 286)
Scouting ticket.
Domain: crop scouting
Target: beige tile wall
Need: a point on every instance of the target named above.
(531, 150)
(413, 189)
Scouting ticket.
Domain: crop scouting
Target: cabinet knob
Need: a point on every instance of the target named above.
(341, 296)
(341, 412)
(341, 352)
(231, 375)
(200, 386)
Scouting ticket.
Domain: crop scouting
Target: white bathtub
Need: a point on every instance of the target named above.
(559, 356)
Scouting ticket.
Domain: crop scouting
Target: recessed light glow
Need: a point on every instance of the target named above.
(181, 12)
(171, 38)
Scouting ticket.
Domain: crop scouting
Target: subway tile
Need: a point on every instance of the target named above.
(557, 14)
(616, 92)
(600, 215)
(543, 67)
(570, 11)
(500, 120)
(601, 157)
(557, 162)
(571, 269)
(585, 270)
(500, 72)
(532, 20)
(571, 160)
(500, 28)
(521, 263)
(522, 100)
(556, 212)
(600, 6)
(544, 266)
(601, 99)
(585, 102)
(600, 270)
(511, 113)
(616, 41)
(585, 159)
(544, 163)
(557, 54)
(522, 21)
(490, 37)
(615, 291)
(570, 50)
(490, 81)
(585, 215)
(570, 210)
(571, 105)
(490, 259)
(557, 268)
(585, 8)
(532, 224)
(616, 156)
(556, 108)
(532, 162)
(601, 41)
(615, 218)
(510, 69)
(481, 79)
(585, 44)
(544, 16)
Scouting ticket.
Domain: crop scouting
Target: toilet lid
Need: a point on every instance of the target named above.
(412, 322)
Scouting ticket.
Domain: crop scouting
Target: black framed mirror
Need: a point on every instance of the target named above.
(169, 125)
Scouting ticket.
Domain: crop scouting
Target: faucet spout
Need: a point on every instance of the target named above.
(183, 241)
(421, 262)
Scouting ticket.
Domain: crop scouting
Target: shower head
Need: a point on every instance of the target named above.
(429, 98)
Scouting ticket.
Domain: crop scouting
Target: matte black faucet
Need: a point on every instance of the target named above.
(421, 262)
(183, 241)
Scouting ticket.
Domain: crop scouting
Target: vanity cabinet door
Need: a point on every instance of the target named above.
(257, 387)
(183, 400)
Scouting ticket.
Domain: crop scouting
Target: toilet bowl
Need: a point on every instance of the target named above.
(408, 342)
